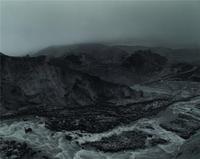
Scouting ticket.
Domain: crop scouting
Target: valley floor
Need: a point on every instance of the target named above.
(171, 134)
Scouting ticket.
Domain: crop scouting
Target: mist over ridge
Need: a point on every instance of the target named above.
(32, 25)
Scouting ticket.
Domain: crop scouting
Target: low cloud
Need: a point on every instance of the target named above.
(30, 25)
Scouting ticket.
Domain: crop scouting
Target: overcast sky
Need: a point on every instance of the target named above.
(31, 25)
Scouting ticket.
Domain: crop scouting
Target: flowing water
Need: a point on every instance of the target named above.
(57, 146)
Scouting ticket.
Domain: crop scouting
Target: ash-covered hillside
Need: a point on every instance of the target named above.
(39, 81)
(98, 101)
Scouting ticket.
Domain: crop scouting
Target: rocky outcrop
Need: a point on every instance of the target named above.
(37, 84)
(144, 62)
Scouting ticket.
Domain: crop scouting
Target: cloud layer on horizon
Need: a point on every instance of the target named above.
(31, 25)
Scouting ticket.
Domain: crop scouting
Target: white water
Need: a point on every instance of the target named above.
(56, 146)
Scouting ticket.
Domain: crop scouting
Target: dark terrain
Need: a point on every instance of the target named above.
(88, 88)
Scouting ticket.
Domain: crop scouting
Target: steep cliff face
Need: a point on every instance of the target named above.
(38, 81)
